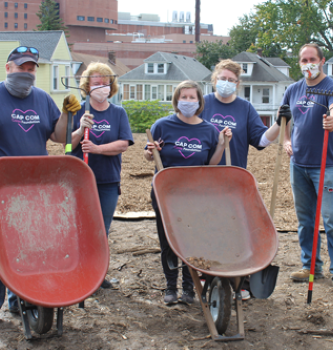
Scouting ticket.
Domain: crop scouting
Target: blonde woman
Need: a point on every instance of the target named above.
(110, 135)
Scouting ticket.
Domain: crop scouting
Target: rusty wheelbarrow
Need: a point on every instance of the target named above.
(216, 222)
(53, 247)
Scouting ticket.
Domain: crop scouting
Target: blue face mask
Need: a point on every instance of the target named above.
(225, 88)
(188, 109)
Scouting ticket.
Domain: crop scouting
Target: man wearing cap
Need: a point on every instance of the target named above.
(29, 117)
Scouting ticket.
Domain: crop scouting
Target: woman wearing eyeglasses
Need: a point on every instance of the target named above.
(224, 108)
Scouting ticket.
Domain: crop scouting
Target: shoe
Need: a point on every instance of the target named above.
(170, 297)
(244, 293)
(303, 275)
(14, 309)
(106, 284)
(187, 297)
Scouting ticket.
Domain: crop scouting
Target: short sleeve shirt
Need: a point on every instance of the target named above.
(110, 125)
(26, 124)
(243, 120)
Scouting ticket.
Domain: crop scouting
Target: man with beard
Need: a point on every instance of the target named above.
(29, 117)
(304, 148)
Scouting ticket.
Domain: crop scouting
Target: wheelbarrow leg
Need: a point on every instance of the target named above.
(25, 321)
(60, 318)
(239, 309)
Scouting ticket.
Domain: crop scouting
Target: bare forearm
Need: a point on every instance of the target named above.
(273, 132)
(59, 134)
(217, 156)
(112, 148)
(76, 138)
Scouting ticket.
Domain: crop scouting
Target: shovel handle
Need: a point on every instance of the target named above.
(227, 150)
(68, 146)
(277, 166)
(156, 153)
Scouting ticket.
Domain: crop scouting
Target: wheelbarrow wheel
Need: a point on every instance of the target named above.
(220, 303)
(40, 319)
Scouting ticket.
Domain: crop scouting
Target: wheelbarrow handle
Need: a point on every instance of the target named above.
(68, 147)
(156, 153)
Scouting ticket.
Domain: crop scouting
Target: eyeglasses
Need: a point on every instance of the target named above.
(230, 80)
(22, 50)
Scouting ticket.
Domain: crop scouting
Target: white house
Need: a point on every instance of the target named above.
(160, 74)
(263, 83)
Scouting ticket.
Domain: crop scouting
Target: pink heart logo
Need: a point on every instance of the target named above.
(216, 122)
(20, 116)
(96, 122)
(307, 98)
(182, 148)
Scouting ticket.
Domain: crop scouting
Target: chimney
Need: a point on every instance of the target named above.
(112, 57)
(259, 51)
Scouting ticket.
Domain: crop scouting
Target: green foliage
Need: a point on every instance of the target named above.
(210, 53)
(49, 17)
(142, 114)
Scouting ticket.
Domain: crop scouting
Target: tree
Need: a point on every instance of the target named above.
(210, 53)
(49, 17)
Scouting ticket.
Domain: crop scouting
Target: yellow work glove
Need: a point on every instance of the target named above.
(71, 104)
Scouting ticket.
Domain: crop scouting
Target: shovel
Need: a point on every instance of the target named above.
(262, 283)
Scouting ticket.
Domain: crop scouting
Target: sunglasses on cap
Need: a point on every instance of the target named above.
(23, 51)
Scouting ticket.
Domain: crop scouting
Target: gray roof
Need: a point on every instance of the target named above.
(263, 70)
(330, 60)
(45, 41)
(277, 62)
(181, 68)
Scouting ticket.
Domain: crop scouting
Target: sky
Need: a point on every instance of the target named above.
(223, 14)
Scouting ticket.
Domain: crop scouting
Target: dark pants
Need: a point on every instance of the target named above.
(2, 293)
(170, 275)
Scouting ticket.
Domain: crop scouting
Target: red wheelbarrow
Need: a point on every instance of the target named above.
(53, 247)
(216, 222)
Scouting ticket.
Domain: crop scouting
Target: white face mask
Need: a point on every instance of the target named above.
(225, 88)
(99, 93)
(310, 70)
(188, 109)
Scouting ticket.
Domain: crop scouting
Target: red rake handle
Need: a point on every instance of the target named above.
(86, 137)
(316, 228)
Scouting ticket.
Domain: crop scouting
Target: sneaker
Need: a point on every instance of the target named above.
(244, 293)
(106, 284)
(187, 297)
(170, 297)
(303, 275)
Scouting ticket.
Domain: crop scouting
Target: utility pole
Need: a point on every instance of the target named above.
(197, 21)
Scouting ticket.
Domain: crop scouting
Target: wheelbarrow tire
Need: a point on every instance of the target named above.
(40, 319)
(220, 303)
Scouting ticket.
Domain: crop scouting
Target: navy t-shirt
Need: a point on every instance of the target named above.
(245, 123)
(308, 133)
(26, 124)
(185, 144)
(110, 125)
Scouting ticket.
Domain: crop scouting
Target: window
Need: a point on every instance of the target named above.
(139, 92)
(67, 75)
(169, 93)
(191, 41)
(132, 92)
(126, 92)
(154, 92)
(25, 26)
(150, 68)
(161, 92)
(15, 15)
(111, 21)
(184, 41)
(160, 68)
(6, 25)
(16, 5)
(265, 95)
(15, 25)
(25, 16)
(247, 91)
(55, 77)
(25, 5)
(147, 92)
(91, 19)
(80, 18)
(245, 68)
(6, 4)
(6, 14)
(106, 20)
(99, 19)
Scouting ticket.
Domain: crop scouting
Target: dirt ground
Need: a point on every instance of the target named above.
(132, 315)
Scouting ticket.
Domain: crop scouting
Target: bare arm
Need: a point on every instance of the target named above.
(59, 133)
(273, 132)
(217, 156)
(109, 149)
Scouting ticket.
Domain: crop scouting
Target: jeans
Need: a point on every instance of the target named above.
(2, 293)
(108, 196)
(305, 183)
(12, 299)
(170, 275)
